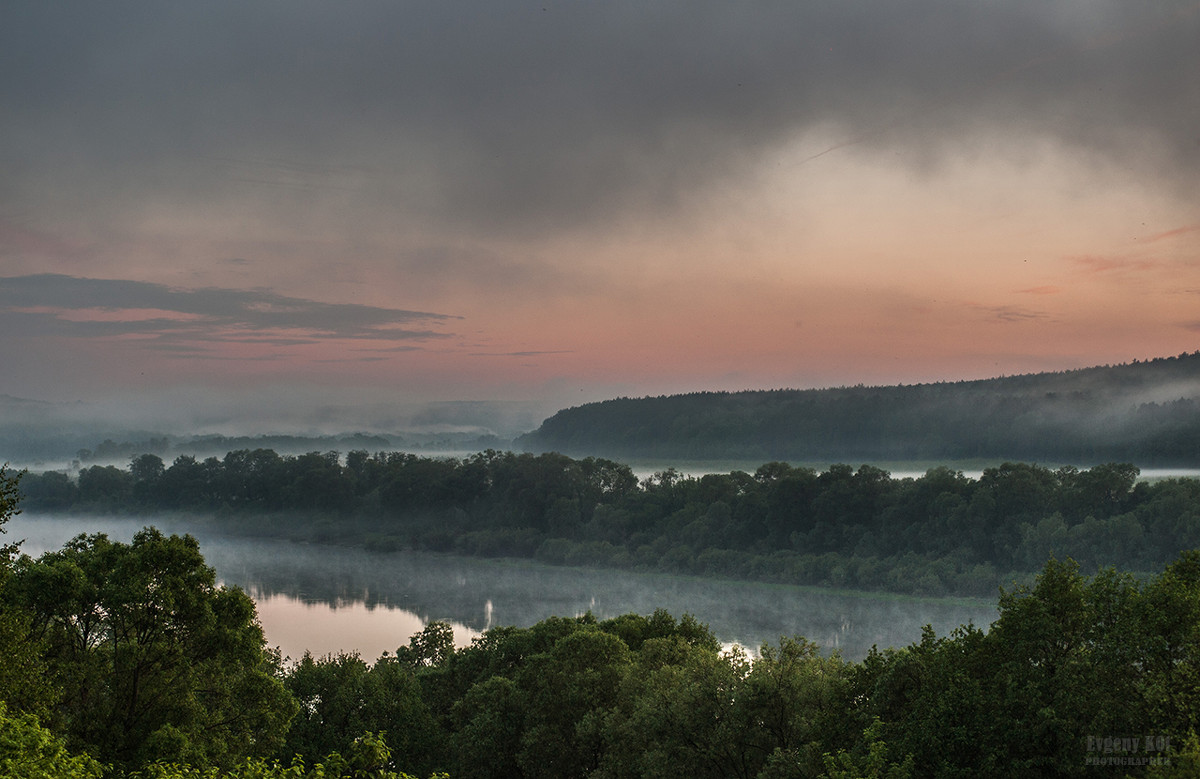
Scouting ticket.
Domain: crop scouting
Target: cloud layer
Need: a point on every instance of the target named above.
(563, 200)
(535, 116)
(56, 305)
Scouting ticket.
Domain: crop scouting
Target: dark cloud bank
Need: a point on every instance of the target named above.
(55, 304)
(531, 116)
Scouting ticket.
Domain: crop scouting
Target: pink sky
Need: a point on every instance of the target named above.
(868, 201)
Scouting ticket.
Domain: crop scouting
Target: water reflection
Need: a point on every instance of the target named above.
(338, 599)
(296, 626)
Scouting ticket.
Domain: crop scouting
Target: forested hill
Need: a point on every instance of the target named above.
(1144, 412)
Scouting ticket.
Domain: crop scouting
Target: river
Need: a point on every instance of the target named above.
(328, 599)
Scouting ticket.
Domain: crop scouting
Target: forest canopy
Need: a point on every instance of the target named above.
(940, 533)
(1144, 412)
(136, 665)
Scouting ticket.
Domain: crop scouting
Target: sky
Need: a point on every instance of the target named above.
(272, 215)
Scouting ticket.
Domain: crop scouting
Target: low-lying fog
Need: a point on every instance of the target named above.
(972, 469)
(329, 599)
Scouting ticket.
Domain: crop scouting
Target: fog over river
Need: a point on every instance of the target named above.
(328, 599)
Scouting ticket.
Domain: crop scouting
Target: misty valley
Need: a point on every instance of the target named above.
(940, 533)
(367, 613)
(126, 655)
(672, 390)
(509, 614)
(329, 599)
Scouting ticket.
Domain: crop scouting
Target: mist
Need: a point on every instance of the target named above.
(43, 435)
(407, 590)
(497, 312)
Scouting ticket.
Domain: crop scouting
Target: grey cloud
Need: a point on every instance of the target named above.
(181, 349)
(274, 341)
(522, 354)
(1011, 313)
(388, 349)
(227, 358)
(43, 305)
(507, 115)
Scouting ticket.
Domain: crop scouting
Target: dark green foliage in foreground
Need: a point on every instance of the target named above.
(1087, 415)
(148, 656)
(1070, 662)
(135, 653)
(22, 671)
(154, 672)
(844, 527)
(29, 750)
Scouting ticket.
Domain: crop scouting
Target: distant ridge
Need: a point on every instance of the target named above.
(1145, 412)
(11, 402)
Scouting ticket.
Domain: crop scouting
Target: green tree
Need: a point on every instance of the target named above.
(490, 720)
(188, 484)
(146, 470)
(675, 716)
(430, 648)
(23, 682)
(367, 757)
(797, 701)
(104, 488)
(873, 763)
(341, 697)
(1170, 609)
(1048, 651)
(1100, 492)
(1066, 659)
(29, 751)
(153, 659)
(49, 491)
(569, 691)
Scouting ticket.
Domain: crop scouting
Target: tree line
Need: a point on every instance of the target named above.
(1146, 412)
(937, 534)
(127, 660)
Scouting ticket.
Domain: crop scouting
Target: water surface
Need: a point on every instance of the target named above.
(329, 599)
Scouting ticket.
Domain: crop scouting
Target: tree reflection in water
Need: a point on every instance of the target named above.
(329, 598)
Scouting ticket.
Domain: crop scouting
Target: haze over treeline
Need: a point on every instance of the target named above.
(942, 532)
(1144, 412)
(39, 434)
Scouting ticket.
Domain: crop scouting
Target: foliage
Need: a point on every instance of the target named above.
(937, 534)
(1088, 415)
(151, 668)
(1070, 657)
(873, 764)
(367, 758)
(151, 659)
(341, 696)
(23, 683)
(29, 751)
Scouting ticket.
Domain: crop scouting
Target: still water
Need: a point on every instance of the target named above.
(326, 599)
